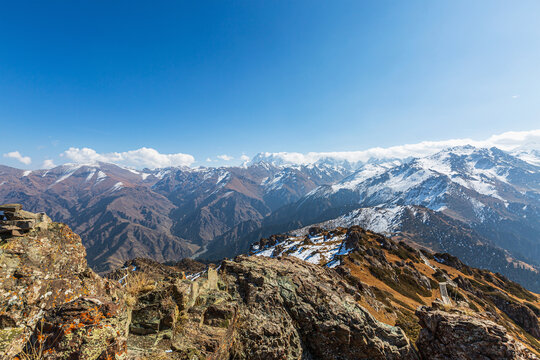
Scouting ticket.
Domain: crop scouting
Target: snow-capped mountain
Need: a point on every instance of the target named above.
(529, 155)
(488, 192)
(284, 160)
(165, 214)
(463, 172)
(174, 212)
(469, 184)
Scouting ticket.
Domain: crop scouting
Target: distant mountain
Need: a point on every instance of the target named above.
(165, 214)
(479, 201)
(114, 209)
(495, 193)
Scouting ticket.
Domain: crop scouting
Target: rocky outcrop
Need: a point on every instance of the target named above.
(457, 336)
(293, 309)
(257, 308)
(16, 222)
(50, 301)
(519, 313)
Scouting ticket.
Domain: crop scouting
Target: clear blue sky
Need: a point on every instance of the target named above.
(229, 77)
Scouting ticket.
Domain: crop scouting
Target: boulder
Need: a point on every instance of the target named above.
(293, 309)
(46, 286)
(457, 336)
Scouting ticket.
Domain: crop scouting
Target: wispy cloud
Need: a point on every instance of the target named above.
(225, 157)
(506, 141)
(515, 96)
(143, 157)
(17, 156)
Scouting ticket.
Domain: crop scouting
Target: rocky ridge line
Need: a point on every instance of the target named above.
(247, 308)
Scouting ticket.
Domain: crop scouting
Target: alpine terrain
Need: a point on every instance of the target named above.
(476, 203)
(344, 293)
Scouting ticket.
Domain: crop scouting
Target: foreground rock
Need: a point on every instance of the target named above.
(458, 336)
(258, 308)
(293, 309)
(50, 301)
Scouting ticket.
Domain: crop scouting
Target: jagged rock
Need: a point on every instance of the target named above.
(86, 328)
(457, 336)
(293, 309)
(190, 266)
(314, 230)
(521, 314)
(156, 311)
(266, 242)
(10, 208)
(253, 308)
(259, 308)
(44, 273)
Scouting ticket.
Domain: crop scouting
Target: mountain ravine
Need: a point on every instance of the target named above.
(366, 297)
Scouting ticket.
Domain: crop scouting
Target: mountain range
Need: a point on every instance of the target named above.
(482, 205)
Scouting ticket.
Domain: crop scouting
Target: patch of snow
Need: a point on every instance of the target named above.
(319, 250)
(119, 185)
(68, 171)
(162, 173)
(222, 177)
(90, 175)
(100, 176)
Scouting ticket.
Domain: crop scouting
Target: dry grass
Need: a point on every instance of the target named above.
(135, 284)
(139, 282)
(31, 353)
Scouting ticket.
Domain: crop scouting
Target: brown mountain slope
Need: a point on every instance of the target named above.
(165, 214)
(394, 279)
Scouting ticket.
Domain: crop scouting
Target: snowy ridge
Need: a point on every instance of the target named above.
(365, 172)
(455, 175)
(377, 219)
(318, 249)
(532, 156)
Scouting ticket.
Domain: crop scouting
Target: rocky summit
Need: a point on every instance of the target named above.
(53, 306)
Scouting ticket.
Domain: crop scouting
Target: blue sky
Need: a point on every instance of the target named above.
(210, 78)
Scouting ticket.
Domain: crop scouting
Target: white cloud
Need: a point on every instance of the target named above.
(143, 157)
(506, 141)
(48, 164)
(244, 157)
(515, 96)
(225, 157)
(208, 160)
(17, 156)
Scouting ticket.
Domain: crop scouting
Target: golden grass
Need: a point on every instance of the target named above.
(139, 282)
